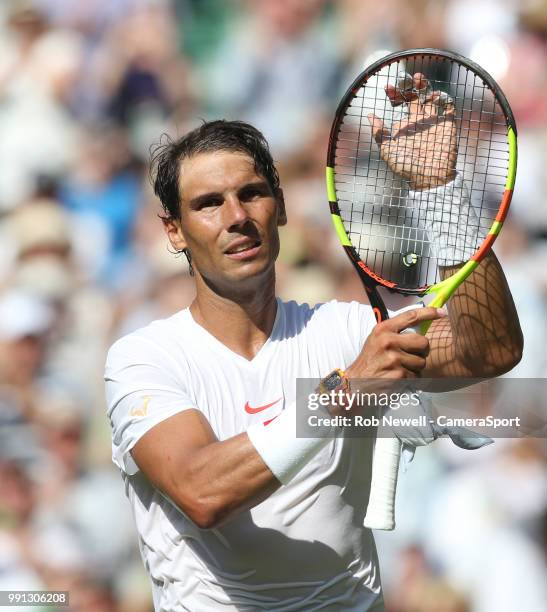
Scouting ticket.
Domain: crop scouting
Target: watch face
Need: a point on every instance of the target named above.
(332, 381)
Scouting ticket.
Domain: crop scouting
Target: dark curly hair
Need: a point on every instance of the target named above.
(219, 135)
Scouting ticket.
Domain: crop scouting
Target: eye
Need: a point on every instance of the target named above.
(210, 203)
(253, 192)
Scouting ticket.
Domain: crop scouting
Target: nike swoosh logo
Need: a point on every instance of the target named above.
(250, 410)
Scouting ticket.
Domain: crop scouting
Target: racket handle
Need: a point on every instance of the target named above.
(385, 468)
(383, 486)
(417, 329)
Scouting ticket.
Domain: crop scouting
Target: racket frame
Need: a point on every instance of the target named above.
(445, 288)
(381, 511)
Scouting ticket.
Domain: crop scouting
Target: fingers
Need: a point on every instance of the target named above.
(398, 96)
(413, 318)
(405, 83)
(415, 91)
(445, 104)
(422, 104)
(414, 364)
(401, 355)
(388, 354)
(402, 91)
(408, 88)
(421, 84)
(438, 103)
(415, 344)
(379, 130)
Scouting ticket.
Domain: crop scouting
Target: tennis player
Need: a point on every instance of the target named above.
(233, 510)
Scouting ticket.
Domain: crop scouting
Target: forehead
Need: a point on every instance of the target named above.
(215, 171)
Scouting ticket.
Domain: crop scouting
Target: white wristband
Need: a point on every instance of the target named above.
(281, 450)
(450, 221)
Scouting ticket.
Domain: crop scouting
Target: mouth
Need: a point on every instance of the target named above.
(243, 249)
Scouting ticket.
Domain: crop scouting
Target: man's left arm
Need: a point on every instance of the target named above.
(481, 337)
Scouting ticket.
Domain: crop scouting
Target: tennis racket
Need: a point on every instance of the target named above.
(420, 173)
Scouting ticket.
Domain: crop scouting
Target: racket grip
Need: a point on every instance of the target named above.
(385, 467)
(421, 328)
(383, 486)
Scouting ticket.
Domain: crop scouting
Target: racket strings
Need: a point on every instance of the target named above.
(386, 230)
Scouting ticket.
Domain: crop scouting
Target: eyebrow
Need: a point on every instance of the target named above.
(206, 197)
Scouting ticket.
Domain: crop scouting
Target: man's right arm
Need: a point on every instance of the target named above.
(212, 480)
(208, 480)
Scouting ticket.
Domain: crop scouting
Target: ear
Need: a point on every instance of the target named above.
(173, 230)
(281, 210)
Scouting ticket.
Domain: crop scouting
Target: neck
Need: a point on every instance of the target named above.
(243, 321)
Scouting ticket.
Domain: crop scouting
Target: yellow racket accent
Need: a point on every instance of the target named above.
(446, 288)
(336, 219)
(331, 190)
(512, 170)
(340, 230)
(496, 227)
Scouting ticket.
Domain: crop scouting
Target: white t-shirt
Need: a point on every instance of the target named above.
(303, 548)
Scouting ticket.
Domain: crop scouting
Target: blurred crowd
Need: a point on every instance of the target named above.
(85, 89)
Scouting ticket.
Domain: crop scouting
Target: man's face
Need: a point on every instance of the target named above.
(229, 218)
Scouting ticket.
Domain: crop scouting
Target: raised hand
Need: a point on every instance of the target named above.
(387, 354)
(422, 148)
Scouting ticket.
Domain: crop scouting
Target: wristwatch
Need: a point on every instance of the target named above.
(335, 381)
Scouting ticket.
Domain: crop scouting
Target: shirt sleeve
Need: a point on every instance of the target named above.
(144, 386)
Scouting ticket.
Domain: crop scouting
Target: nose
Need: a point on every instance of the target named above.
(235, 211)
